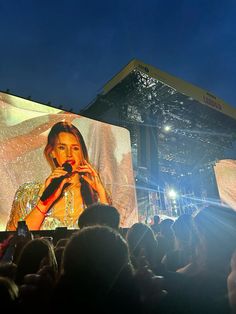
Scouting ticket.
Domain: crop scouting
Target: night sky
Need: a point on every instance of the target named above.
(65, 51)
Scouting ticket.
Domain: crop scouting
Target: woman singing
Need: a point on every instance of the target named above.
(72, 185)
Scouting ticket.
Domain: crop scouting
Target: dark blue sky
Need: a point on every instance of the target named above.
(65, 51)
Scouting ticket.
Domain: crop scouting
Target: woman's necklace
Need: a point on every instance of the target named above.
(73, 202)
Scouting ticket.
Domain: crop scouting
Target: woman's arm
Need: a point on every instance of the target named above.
(36, 217)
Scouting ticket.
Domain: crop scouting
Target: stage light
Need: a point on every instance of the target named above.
(167, 128)
(172, 194)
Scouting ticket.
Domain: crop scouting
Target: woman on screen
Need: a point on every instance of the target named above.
(72, 185)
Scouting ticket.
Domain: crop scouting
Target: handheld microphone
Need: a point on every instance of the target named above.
(54, 185)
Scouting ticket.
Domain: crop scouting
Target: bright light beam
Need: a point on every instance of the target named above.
(172, 194)
(167, 128)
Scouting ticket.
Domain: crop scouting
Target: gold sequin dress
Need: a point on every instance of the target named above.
(26, 198)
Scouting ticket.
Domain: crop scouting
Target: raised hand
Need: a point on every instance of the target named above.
(54, 185)
(90, 175)
(36, 217)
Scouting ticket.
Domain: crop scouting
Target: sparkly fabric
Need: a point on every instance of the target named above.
(26, 199)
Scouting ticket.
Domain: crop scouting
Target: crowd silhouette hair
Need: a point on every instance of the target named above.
(188, 266)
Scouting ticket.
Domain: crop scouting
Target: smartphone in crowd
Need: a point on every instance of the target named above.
(22, 229)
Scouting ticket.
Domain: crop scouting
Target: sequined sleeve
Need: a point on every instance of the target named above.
(25, 199)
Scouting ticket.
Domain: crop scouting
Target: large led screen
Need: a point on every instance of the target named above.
(26, 168)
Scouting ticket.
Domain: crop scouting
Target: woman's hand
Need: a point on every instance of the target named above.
(58, 172)
(90, 175)
(57, 188)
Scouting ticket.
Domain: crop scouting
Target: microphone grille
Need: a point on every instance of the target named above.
(67, 167)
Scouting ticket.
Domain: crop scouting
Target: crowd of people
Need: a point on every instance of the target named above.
(187, 265)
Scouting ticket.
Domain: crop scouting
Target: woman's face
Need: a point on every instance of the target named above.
(68, 149)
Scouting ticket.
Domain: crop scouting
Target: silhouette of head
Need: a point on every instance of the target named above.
(99, 214)
(96, 252)
(156, 219)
